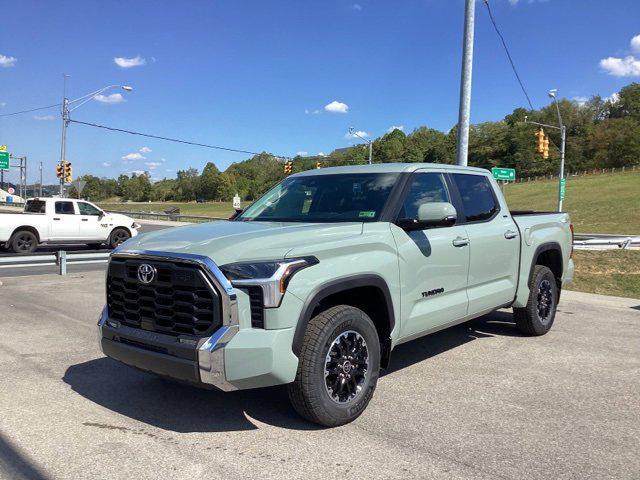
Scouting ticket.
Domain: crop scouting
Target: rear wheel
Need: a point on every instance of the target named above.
(118, 236)
(338, 368)
(24, 242)
(538, 316)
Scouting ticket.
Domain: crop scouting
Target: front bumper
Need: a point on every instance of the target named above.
(235, 356)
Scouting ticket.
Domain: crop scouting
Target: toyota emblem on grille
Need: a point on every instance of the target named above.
(146, 273)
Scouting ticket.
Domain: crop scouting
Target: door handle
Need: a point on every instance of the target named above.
(509, 234)
(85, 219)
(460, 242)
(56, 218)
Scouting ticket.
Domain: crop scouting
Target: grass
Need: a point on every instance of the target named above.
(607, 272)
(606, 203)
(213, 209)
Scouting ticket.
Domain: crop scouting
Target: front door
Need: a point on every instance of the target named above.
(65, 223)
(494, 244)
(433, 262)
(91, 227)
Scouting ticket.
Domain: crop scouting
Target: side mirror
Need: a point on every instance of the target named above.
(431, 215)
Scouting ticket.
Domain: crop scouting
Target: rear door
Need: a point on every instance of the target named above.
(433, 263)
(65, 222)
(494, 243)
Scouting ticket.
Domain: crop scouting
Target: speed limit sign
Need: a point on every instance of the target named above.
(11, 191)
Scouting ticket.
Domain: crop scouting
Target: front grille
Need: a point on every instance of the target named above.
(179, 301)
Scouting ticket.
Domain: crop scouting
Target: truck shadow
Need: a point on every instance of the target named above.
(183, 408)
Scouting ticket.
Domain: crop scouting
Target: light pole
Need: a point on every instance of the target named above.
(563, 137)
(353, 133)
(464, 113)
(67, 107)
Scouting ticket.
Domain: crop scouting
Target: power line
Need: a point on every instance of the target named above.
(506, 49)
(168, 139)
(30, 110)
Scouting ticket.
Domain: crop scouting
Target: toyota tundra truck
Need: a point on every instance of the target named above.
(316, 283)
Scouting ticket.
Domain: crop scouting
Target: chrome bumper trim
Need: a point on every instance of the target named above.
(211, 351)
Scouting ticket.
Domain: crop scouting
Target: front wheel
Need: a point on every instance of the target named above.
(24, 242)
(118, 236)
(538, 316)
(338, 368)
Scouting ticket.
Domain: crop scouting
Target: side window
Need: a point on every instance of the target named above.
(424, 188)
(65, 208)
(478, 200)
(87, 209)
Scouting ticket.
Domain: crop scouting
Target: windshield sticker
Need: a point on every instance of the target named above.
(367, 214)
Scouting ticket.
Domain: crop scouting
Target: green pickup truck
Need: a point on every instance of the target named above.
(319, 280)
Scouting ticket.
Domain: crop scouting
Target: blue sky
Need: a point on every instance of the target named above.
(285, 76)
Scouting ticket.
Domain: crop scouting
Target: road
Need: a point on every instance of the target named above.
(477, 401)
(11, 271)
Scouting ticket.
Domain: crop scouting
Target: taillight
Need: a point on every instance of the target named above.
(572, 235)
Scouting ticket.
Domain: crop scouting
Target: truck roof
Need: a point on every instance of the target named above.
(389, 168)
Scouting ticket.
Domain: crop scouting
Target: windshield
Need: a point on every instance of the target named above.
(357, 197)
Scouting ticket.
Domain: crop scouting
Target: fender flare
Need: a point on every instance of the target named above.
(336, 286)
(545, 247)
(28, 228)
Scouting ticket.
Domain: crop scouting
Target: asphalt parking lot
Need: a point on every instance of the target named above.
(477, 401)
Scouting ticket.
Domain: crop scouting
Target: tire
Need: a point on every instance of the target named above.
(118, 236)
(24, 242)
(538, 316)
(343, 342)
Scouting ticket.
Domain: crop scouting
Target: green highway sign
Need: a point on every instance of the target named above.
(563, 181)
(508, 174)
(4, 160)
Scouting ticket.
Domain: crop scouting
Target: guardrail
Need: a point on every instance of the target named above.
(60, 259)
(173, 217)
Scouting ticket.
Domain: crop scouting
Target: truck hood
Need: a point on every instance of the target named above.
(229, 241)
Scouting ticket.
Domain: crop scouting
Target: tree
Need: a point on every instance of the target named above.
(627, 103)
(209, 182)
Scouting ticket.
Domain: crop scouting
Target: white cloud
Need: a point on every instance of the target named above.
(113, 98)
(132, 157)
(302, 154)
(321, 154)
(628, 66)
(336, 107)
(357, 7)
(580, 100)
(106, 164)
(169, 170)
(153, 165)
(124, 62)
(311, 112)
(613, 98)
(395, 127)
(163, 160)
(359, 133)
(44, 117)
(3, 104)
(145, 150)
(6, 62)
(635, 44)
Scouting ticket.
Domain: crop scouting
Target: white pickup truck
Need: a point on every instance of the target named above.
(63, 220)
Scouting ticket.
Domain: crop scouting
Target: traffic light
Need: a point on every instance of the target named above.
(318, 165)
(288, 167)
(59, 171)
(68, 173)
(540, 144)
(545, 149)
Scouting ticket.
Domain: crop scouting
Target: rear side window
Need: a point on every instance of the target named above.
(424, 188)
(35, 206)
(65, 208)
(478, 200)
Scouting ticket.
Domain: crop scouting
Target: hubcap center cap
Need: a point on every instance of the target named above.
(347, 366)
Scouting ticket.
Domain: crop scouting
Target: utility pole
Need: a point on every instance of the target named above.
(353, 133)
(40, 190)
(563, 137)
(63, 147)
(464, 113)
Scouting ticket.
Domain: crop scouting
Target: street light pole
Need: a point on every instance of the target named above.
(40, 190)
(563, 138)
(464, 113)
(66, 103)
(353, 133)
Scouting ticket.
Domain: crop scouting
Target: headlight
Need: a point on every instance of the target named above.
(272, 276)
